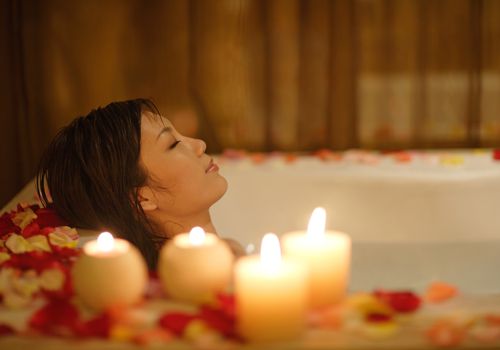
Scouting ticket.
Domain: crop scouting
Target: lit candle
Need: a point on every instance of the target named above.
(271, 295)
(110, 272)
(327, 254)
(194, 266)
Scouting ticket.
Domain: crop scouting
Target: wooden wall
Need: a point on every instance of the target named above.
(255, 74)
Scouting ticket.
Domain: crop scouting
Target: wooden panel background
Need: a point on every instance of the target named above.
(263, 75)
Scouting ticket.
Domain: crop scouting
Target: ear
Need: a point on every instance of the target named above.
(147, 199)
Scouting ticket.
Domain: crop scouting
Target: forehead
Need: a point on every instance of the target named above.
(153, 123)
(151, 127)
(152, 119)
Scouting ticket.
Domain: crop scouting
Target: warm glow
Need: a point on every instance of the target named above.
(105, 242)
(316, 227)
(270, 252)
(197, 236)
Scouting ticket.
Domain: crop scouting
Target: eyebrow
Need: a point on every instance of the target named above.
(165, 129)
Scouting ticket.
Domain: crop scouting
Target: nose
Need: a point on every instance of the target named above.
(198, 146)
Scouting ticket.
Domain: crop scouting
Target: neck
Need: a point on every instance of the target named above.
(175, 226)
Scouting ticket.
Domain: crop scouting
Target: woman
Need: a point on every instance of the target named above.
(124, 168)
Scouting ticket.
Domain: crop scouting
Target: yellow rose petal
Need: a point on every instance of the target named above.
(26, 285)
(51, 279)
(195, 329)
(368, 304)
(71, 232)
(121, 332)
(39, 242)
(7, 275)
(18, 245)
(14, 300)
(4, 256)
(24, 218)
(452, 160)
(61, 239)
(381, 330)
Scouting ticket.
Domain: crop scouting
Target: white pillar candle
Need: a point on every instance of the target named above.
(271, 295)
(194, 266)
(327, 254)
(110, 272)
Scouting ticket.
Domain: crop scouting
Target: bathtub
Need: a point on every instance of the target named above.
(408, 226)
(410, 223)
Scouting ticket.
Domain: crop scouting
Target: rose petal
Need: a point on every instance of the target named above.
(218, 320)
(24, 218)
(368, 303)
(48, 217)
(27, 284)
(61, 239)
(227, 304)
(446, 333)
(31, 230)
(13, 300)
(378, 318)
(438, 292)
(39, 242)
(18, 245)
(258, 157)
(331, 318)
(7, 275)
(175, 322)
(496, 154)
(195, 329)
(382, 330)
(99, 326)
(6, 329)
(399, 301)
(4, 256)
(234, 153)
(57, 317)
(151, 336)
(7, 226)
(290, 158)
(52, 279)
(121, 333)
(485, 332)
(492, 319)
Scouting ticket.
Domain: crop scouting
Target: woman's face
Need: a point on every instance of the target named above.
(183, 180)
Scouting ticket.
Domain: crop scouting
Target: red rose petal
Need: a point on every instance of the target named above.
(7, 226)
(401, 301)
(46, 230)
(496, 154)
(31, 230)
(227, 303)
(6, 330)
(218, 320)
(378, 318)
(48, 217)
(57, 317)
(99, 326)
(176, 322)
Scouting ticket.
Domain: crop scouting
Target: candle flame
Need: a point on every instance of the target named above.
(316, 227)
(270, 252)
(197, 236)
(105, 242)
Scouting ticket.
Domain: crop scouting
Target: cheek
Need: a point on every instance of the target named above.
(188, 187)
(179, 175)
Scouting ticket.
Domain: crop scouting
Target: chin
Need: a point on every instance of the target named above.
(221, 188)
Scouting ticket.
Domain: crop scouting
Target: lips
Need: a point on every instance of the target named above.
(211, 166)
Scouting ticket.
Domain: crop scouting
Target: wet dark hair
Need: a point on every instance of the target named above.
(92, 172)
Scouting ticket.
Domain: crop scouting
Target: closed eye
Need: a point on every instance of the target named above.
(174, 144)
